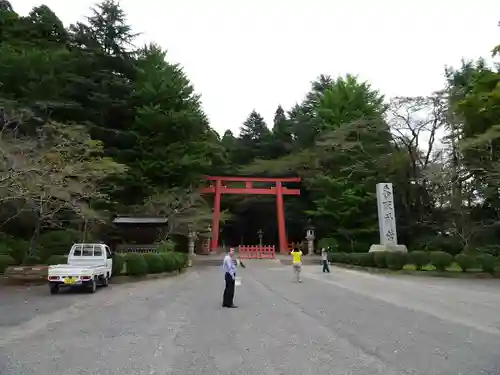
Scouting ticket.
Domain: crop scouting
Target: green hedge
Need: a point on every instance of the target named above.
(142, 264)
(136, 264)
(154, 262)
(441, 260)
(6, 261)
(419, 258)
(380, 259)
(118, 262)
(488, 262)
(396, 260)
(16, 248)
(466, 262)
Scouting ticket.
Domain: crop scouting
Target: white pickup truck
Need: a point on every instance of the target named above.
(88, 265)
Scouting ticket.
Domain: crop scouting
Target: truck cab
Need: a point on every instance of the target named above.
(88, 265)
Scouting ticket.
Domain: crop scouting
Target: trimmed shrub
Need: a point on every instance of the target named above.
(168, 262)
(396, 260)
(136, 265)
(154, 262)
(466, 262)
(441, 260)
(15, 247)
(6, 261)
(57, 259)
(118, 262)
(348, 258)
(380, 259)
(32, 260)
(367, 260)
(450, 244)
(356, 259)
(419, 259)
(181, 260)
(488, 262)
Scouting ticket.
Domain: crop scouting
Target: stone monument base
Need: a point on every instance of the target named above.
(392, 248)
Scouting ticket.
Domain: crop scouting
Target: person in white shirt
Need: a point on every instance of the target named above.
(324, 260)
(230, 277)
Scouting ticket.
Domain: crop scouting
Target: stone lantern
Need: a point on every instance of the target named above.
(260, 233)
(310, 237)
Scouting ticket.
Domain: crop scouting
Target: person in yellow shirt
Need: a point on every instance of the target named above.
(297, 263)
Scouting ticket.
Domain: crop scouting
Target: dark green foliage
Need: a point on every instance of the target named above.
(118, 263)
(488, 262)
(57, 259)
(32, 260)
(466, 262)
(57, 242)
(166, 246)
(330, 244)
(448, 244)
(5, 261)
(396, 260)
(419, 258)
(14, 247)
(380, 258)
(154, 262)
(441, 260)
(136, 264)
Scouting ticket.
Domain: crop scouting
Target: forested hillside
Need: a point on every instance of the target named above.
(93, 125)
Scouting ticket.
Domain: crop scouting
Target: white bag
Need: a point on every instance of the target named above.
(237, 281)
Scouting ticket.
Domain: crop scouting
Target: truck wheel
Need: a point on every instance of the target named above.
(54, 288)
(92, 286)
(105, 281)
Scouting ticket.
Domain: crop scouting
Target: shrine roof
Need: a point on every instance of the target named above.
(139, 220)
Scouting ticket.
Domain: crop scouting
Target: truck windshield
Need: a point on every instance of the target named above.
(87, 250)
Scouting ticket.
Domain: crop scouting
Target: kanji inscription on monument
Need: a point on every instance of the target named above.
(386, 215)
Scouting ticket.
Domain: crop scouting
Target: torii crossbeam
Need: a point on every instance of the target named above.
(217, 188)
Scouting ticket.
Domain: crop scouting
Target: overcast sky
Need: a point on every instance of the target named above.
(242, 55)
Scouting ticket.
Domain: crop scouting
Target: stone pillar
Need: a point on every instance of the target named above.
(387, 220)
(310, 241)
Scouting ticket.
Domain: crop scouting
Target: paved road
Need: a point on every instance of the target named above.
(342, 323)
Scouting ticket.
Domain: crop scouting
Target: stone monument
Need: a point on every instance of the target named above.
(387, 220)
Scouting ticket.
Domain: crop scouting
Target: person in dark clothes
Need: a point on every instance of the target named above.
(324, 260)
(229, 276)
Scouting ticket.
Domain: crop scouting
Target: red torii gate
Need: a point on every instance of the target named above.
(218, 188)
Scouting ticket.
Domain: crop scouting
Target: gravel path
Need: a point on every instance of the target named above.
(340, 323)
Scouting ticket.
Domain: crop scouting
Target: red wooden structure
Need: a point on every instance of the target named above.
(256, 252)
(217, 188)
